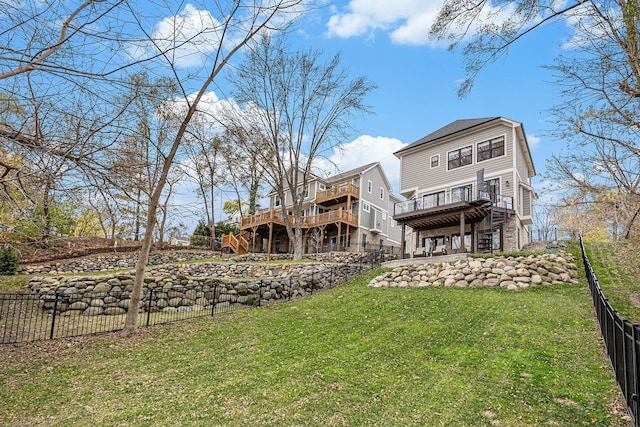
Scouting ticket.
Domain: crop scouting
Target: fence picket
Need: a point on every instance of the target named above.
(617, 344)
(29, 317)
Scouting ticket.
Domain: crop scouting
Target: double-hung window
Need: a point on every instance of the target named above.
(490, 149)
(460, 157)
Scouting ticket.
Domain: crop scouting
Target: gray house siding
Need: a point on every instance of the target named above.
(416, 170)
(419, 175)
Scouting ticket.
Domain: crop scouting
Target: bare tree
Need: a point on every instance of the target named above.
(488, 29)
(238, 24)
(175, 176)
(248, 158)
(303, 106)
(86, 60)
(599, 80)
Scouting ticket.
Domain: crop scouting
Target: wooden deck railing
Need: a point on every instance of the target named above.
(337, 192)
(266, 217)
(276, 217)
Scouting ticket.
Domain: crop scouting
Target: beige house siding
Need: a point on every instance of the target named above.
(419, 176)
(416, 170)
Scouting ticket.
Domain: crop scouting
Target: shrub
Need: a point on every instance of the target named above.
(9, 258)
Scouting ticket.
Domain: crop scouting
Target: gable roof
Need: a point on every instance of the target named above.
(448, 130)
(353, 172)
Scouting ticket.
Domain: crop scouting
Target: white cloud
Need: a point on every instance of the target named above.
(187, 38)
(192, 35)
(366, 149)
(407, 20)
(533, 140)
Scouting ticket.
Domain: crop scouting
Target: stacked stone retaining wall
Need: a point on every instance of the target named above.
(191, 287)
(512, 273)
(120, 262)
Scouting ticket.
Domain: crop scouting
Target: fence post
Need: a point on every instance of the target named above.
(213, 300)
(636, 373)
(53, 321)
(149, 306)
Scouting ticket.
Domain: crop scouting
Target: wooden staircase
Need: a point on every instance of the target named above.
(237, 244)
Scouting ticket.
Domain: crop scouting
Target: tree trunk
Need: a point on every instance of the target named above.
(253, 195)
(131, 321)
(627, 233)
(212, 223)
(161, 226)
(136, 234)
(298, 245)
(46, 212)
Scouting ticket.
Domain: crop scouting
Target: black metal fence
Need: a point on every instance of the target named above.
(554, 233)
(33, 317)
(622, 340)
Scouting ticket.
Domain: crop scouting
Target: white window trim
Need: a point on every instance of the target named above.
(459, 149)
(504, 141)
(381, 193)
(431, 161)
(366, 207)
(277, 202)
(369, 186)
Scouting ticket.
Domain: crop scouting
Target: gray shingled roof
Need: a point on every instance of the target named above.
(340, 177)
(450, 129)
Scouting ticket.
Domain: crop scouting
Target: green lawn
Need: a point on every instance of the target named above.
(353, 356)
(11, 284)
(617, 267)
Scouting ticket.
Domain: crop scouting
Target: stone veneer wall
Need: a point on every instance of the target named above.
(510, 235)
(512, 273)
(190, 287)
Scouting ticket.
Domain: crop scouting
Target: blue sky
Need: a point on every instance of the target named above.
(417, 80)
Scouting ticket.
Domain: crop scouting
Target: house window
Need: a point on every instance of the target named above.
(431, 244)
(381, 193)
(321, 186)
(435, 161)
(433, 200)
(460, 157)
(278, 202)
(300, 190)
(461, 194)
(455, 241)
(369, 186)
(366, 207)
(490, 149)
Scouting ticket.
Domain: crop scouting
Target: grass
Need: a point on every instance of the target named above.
(617, 267)
(10, 284)
(507, 254)
(353, 356)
